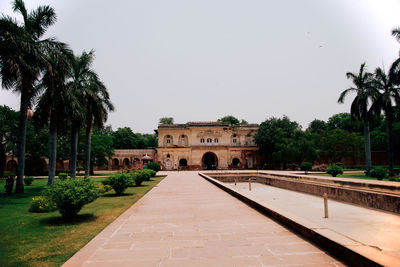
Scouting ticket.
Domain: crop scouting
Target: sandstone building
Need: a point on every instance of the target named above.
(207, 145)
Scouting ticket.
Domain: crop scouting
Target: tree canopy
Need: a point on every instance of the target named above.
(166, 120)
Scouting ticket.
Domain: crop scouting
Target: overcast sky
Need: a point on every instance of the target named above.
(201, 60)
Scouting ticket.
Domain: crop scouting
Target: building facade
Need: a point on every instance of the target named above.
(131, 158)
(207, 145)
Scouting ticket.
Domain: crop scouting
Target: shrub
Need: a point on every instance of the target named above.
(394, 179)
(28, 180)
(379, 173)
(306, 167)
(334, 170)
(70, 195)
(139, 177)
(42, 204)
(154, 166)
(103, 188)
(149, 173)
(119, 182)
(62, 175)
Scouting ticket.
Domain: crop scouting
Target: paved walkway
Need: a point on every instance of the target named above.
(187, 221)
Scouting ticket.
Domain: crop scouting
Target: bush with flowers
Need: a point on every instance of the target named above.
(42, 204)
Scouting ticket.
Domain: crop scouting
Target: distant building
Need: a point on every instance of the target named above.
(131, 158)
(207, 145)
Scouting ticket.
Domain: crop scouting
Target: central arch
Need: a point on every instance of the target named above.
(210, 161)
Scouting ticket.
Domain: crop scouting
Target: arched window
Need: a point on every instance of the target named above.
(215, 140)
(209, 140)
(202, 140)
(168, 156)
(236, 162)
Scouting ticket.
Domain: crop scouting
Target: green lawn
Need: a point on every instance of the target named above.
(352, 175)
(43, 239)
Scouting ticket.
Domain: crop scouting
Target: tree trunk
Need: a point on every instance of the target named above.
(23, 116)
(367, 143)
(52, 149)
(91, 170)
(390, 146)
(87, 151)
(74, 149)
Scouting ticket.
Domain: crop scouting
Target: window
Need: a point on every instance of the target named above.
(183, 140)
(202, 140)
(168, 140)
(209, 140)
(215, 140)
(168, 156)
(234, 140)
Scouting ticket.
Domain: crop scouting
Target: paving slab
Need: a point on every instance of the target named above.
(187, 221)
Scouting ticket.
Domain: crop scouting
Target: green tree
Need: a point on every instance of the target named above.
(36, 148)
(275, 139)
(166, 120)
(102, 149)
(317, 126)
(345, 122)
(97, 103)
(8, 133)
(229, 119)
(366, 93)
(150, 140)
(21, 60)
(337, 144)
(124, 138)
(52, 106)
(80, 73)
(388, 94)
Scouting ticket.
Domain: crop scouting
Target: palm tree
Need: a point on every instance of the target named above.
(80, 73)
(97, 105)
(54, 103)
(388, 95)
(360, 107)
(21, 60)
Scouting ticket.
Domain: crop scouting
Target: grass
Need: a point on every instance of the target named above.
(353, 175)
(43, 239)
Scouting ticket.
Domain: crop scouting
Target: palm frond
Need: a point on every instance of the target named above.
(396, 33)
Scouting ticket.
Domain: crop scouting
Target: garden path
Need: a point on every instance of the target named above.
(187, 221)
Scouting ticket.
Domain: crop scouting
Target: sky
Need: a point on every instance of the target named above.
(202, 60)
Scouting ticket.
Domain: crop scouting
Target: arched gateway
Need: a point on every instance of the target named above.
(209, 161)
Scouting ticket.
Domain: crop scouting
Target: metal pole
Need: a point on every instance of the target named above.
(250, 184)
(325, 196)
(235, 180)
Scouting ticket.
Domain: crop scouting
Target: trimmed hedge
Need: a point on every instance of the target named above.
(334, 170)
(154, 166)
(119, 182)
(379, 173)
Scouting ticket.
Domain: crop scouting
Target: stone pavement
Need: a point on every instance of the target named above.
(187, 221)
